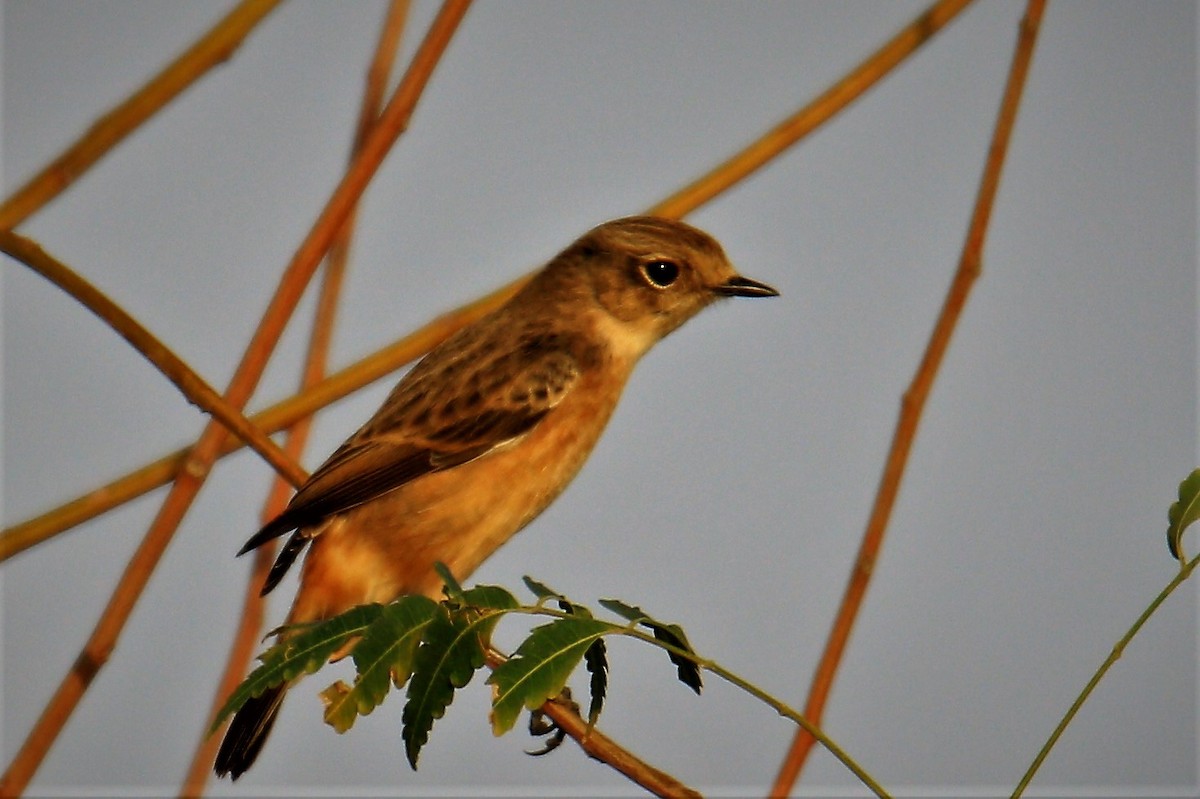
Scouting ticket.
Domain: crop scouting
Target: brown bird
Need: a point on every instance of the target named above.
(485, 431)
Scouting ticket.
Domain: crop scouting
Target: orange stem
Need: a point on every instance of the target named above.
(250, 623)
(191, 385)
(213, 48)
(190, 479)
(913, 404)
(816, 113)
(157, 473)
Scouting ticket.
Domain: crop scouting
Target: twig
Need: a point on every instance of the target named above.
(159, 472)
(189, 481)
(808, 118)
(1113, 656)
(600, 747)
(913, 403)
(190, 384)
(253, 605)
(213, 48)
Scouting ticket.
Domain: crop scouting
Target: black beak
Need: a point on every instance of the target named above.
(745, 287)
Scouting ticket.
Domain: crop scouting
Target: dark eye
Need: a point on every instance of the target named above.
(660, 273)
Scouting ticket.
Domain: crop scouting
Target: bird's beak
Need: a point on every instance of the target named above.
(739, 286)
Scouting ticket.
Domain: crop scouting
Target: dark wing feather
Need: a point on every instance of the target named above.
(383, 457)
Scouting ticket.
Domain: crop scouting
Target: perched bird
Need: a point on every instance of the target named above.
(484, 432)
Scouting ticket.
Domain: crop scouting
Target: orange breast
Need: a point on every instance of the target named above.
(387, 547)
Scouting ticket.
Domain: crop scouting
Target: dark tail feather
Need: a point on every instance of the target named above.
(248, 732)
(285, 559)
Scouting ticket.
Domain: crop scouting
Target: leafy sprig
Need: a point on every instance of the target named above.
(432, 649)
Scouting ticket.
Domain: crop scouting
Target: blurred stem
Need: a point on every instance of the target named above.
(316, 363)
(189, 383)
(877, 66)
(213, 48)
(159, 472)
(190, 479)
(913, 404)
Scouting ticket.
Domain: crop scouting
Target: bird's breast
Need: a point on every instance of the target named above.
(459, 516)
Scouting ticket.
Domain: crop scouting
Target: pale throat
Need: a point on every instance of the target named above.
(625, 341)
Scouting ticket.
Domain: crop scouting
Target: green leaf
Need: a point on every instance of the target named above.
(453, 589)
(540, 590)
(688, 671)
(300, 652)
(543, 593)
(628, 612)
(384, 655)
(595, 657)
(539, 668)
(1183, 513)
(492, 597)
(451, 654)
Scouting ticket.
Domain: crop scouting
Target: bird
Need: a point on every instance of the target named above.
(484, 432)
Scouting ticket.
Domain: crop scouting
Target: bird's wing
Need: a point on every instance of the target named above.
(505, 398)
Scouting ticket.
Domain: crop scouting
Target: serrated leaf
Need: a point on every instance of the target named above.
(383, 657)
(489, 596)
(540, 590)
(446, 661)
(544, 592)
(1183, 513)
(595, 657)
(299, 653)
(688, 671)
(539, 668)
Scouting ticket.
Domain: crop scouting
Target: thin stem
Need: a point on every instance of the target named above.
(188, 482)
(253, 605)
(600, 747)
(213, 48)
(162, 471)
(780, 707)
(816, 113)
(190, 384)
(913, 404)
(1113, 656)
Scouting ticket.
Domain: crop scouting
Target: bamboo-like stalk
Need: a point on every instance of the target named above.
(819, 111)
(250, 623)
(757, 154)
(913, 403)
(188, 482)
(282, 414)
(108, 131)
(191, 385)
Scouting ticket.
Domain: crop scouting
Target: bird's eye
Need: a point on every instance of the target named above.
(660, 273)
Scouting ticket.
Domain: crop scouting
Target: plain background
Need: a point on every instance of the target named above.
(731, 488)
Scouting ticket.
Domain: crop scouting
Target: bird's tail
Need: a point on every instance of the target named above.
(248, 732)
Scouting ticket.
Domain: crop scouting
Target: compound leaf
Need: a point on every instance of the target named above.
(451, 654)
(539, 668)
(303, 650)
(688, 671)
(384, 655)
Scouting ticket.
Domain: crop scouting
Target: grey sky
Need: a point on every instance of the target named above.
(731, 488)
